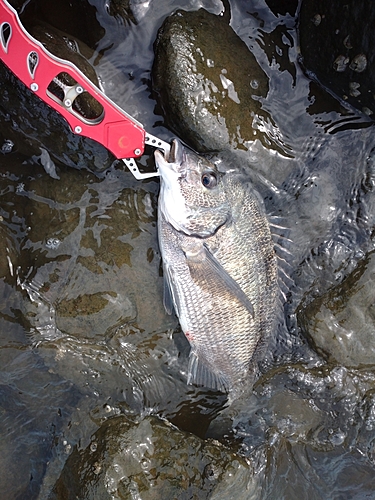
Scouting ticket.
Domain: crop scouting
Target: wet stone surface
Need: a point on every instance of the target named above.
(78, 19)
(211, 101)
(337, 47)
(341, 322)
(151, 459)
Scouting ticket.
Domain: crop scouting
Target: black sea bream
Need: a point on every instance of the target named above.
(220, 266)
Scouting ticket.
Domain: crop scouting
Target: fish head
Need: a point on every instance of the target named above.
(192, 192)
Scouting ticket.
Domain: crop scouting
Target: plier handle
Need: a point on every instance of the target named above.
(61, 85)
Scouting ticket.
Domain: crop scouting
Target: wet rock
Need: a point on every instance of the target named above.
(79, 19)
(151, 459)
(310, 420)
(12, 477)
(122, 9)
(24, 414)
(209, 84)
(341, 323)
(89, 293)
(337, 43)
(129, 11)
(65, 46)
(88, 315)
(287, 6)
(93, 251)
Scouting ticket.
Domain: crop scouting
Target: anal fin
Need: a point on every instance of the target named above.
(167, 297)
(200, 374)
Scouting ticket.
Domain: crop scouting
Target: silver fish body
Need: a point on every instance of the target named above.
(220, 266)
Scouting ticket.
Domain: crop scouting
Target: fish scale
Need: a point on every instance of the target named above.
(223, 281)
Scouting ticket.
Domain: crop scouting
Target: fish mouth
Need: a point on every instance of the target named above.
(172, 160)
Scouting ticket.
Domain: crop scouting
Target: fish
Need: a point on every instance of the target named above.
(219, 264)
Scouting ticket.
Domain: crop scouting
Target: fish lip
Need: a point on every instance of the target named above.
(174, 160)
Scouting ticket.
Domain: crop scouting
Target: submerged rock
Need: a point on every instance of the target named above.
(337, 43)
(122, 9)
(79, 19)
(66, 47)
(209, 84)
(151, 459)
(341, 323)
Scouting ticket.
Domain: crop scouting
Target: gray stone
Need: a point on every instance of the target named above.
(341, 323)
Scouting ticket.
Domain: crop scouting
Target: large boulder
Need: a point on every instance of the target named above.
(209, 84)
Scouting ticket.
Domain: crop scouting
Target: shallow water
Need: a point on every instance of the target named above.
(84, 335)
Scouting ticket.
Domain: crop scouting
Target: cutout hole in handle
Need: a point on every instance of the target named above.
(32, 63)
(67, 92)
(5, 35)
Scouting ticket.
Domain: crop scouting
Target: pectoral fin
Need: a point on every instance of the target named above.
(170, 295)
(207, 269)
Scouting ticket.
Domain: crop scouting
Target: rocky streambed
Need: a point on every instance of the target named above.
(93, 379)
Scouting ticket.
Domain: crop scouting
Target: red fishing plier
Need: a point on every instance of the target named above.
(41, 72)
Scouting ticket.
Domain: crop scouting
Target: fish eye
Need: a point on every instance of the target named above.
(209, 180)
